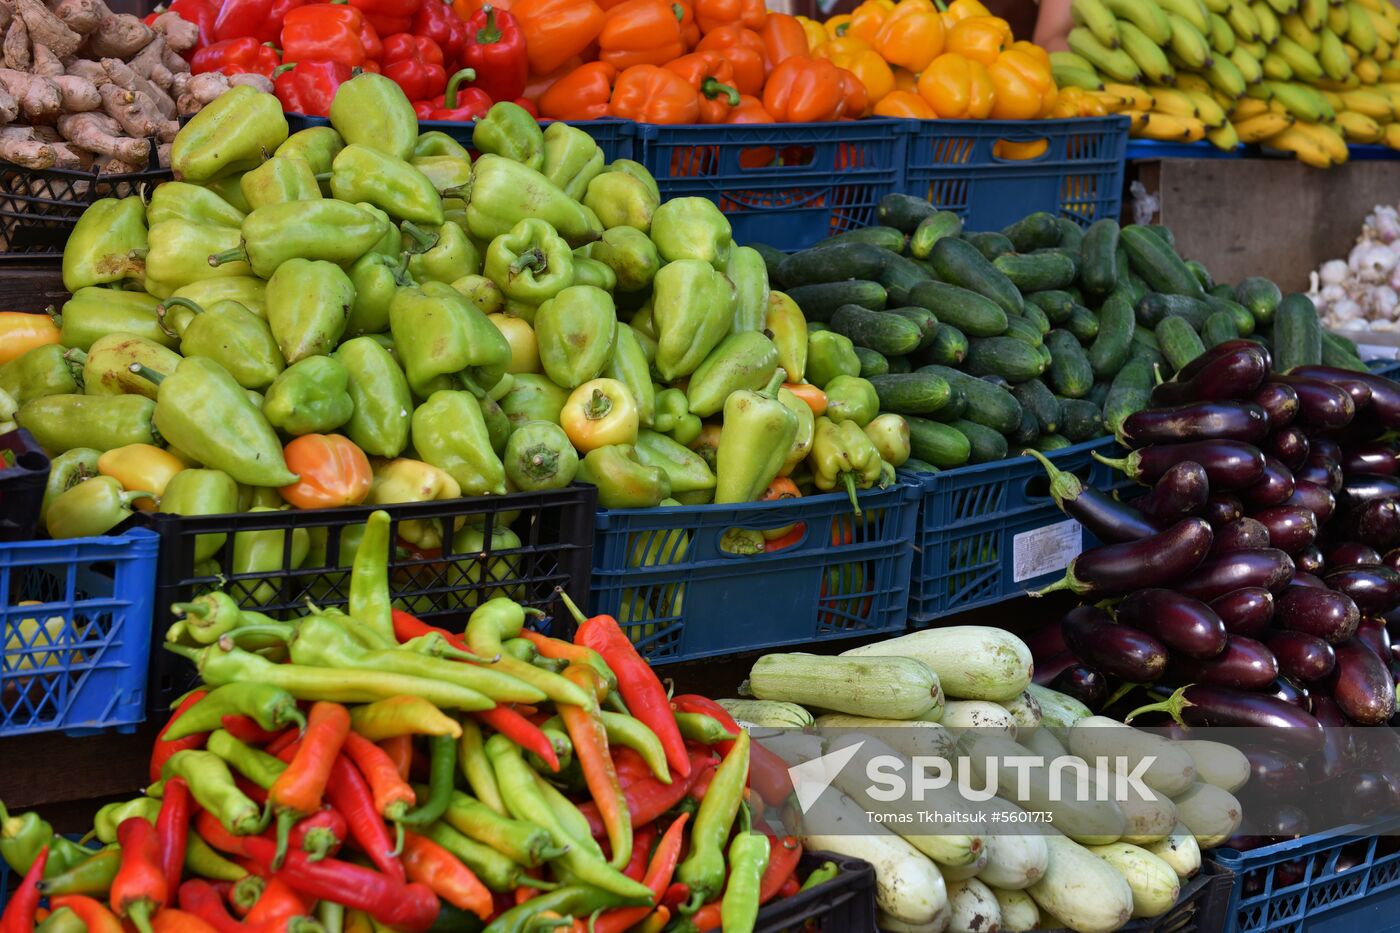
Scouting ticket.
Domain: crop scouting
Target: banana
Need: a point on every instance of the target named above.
(1146, 15)
(1070, 60)
(1269, 28)
(1242, 20)
(1225, 77)
(1359, 128)
(1328, 138)
(1246, 66)
(1369, 102)
(1217, 7)
(1373, 5)
(1260, 128)
(1383, 50)
(1138, 98)
(1188, 43)
(1136, 120)
(1223, 137)
(1263, 91)
(1148, 54)
(1384, 28)
(1392, 136)
(1360, 32)
(1171, 101)
(1110, 103)
(1111, 63)
(1304, 65)
(1306, 149)
(1246, 108)
(1255, 50)
(1332, 56)
(1350, 83)
(1193, 11)
(1390, 71)
(1067, 77)
(1368, 70)
(1301, 101)
(1222, 37)
(1300, 32)
(1210, 111)
(1275, 68)
(1193, 82)
(1094, 16)
(1314, 13)
(1170, 128)
(1338, 19)
(1283, 7)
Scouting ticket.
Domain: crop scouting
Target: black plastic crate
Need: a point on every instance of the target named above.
(554, 528)
(1201, 906)
(845, 904)
(24, 471)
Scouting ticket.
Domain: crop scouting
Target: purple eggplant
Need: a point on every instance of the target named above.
(1245, 663)
(1372, 633)
(1156, 561)
(1385, 393)
(1301, 656)
(1361, 684)
(1357, 388)
(1321, 405)
(1314, 497)
(1279, 401)
(1045, 642)
(1182, 491)
(1085, 684)
(1376, 523)
(1303, 578)
(1310, 561)
(1106, 517)
(1181, 623)
(1246, 611)
(1291, 529)
(1244, 534)
(1326, 447)
(1335, 755)
(1290, 445)
(1267, 567)
(1114, 650)
(1228, 464)
(1375, 589)
(1363, 487)
(1364, 795)
(1326, 614)
(1380, 459)
(1274, 772)
(1228, 348)
(1048, 668)
(1273, 488)
(1320, 470)
(1352, 554)
(1392, 559)
(1279, 724)
(1290, 691)
(1197, 421)
(1222, 509)
(1233, 374)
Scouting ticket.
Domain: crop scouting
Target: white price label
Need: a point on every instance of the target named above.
(1046, 550)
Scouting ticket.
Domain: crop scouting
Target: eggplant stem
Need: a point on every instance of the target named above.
(1060, 584)
(1172, 706)
(1063, 486)
(1121, 692)
(1119, 464)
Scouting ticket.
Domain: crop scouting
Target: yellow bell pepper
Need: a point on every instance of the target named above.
(816, 33)
(836, 27)
(1021, 45)
(980, 38)
(906, 105)
(867, 19)
(960, 10)
(1023, 86)
(957, 87)
(404, 480)
(140, 466)
(1017, 152)
(906, 80)
(912, 35)
(861, 59)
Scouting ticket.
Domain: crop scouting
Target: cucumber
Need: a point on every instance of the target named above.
(888, 334)
(912, 393)
(941, 445)
(1221, 290)
(1125, 274)
(1146, 338)
(1071, 234)
(1163, 233)
(1155, 307)
(990, 245)
(922, 318)
(1083, 420)
(959, 263)
(1201, 273)
(1070, 373)
(903, 211)
(871, 363)
(1149, 354)
(1000, 382)
(915, 465)
(1098, 257)
(1047, 443)
(1297, 334)
(1036, 272)
(1180, 342)
(1071, 254)
(819, 302)
(899, 275)
(985, 445)
(987, 404)
(956, 407)
(932, 229)
(1024, 330)
(1239, 314)
(1009, 357)
(1339, 352)
(833, 262)
(1130, 392)
(1034, 231)
(1083, 323)
(970, 312)
(949, 346)
(1026, 432)
(884, 237)
(1219, 327)
(1109, 350)
(1036, 316)
(899, 364)
(1099, 393)
(770, 714)
(1260, 296)
(1158, 264)
(1041, 404)
(973, 662)
(1045, 358)
(1056, 304)
(772, 258)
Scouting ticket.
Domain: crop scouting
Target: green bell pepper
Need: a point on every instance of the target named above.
(531, 264)
(362, 173)
(309, 397)
(95, 312)
(692, 228)
(829, 355)
(391, 242)
(692, 310)
(308, 303)
(449, 432)
(843, 454)
(317, 146)
(576, 330)
(786, 326)
(43, 371)
(202, 492)
(673, 417)
(327, 229)
(485, 295)
(437, 143)
(280, 179)
(232, 134)
(260, 553)
(684, 468)
(851, 398)
(621, 200)
(502, 193)
(631, 367)
(381, 404)
(442, 256)
(107, 369)
(749, 274)
(444, 171)
(444, 342)
(107, 244)
(91, 508)
(539, 456)
(754, 442)
(102, 422)
(371, 110)
(180, 252)
(228, 333)
(592, 272)
(630, 254)
(623, 480)
(741, 361)
(376, 279)
(247, 290)
(67, 470)
(533, 398)
(571, 159)
(510, 131)
(179, 200)
(636, 170)
(230, 190)
(890, 435)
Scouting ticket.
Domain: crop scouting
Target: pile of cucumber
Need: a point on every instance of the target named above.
(1042, 335)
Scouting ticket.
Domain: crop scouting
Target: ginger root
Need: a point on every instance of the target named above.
(81, 16)
(15, 47)
(102, 135)
(118, 35)
(257, 82)
(29, 153)
(47, 29)
(79, 94)
(40, 100)
(46, 63)
(123, 75)
(180, 34)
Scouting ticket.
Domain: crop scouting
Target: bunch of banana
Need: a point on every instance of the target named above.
(1303, 76)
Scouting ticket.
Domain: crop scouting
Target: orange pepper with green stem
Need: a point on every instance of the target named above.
(744, 50)
(980, 38)
(805, 90)
(690, 30)
(783, 37)
(867, 19)
(905, 105)
(837, 26)
(582, 94)
(298, 791)
(956, 87)
(912, 36)
(557, 30)
(648, 94)
(640, 32)
(711, 14)
(590, 739)
(428, 863)
(861, 59)
(712, 77)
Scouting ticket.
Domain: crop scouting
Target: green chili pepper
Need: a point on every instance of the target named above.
(107, 244)
(523, 842)
(62, 920)
(820, 875)
(508, 130)
(703, 868)
(255, 765)
(211, 785)
(476, 767)
(634, 734)
(500, 618)
(93, 876)
(495, 869)
(748, 859)
(21, 838)
(202, 861)
(442, 770)
(109, 817)
(575, 900)
(703, 729)
(271, 708)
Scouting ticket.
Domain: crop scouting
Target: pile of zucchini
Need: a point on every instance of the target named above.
(1041, 335)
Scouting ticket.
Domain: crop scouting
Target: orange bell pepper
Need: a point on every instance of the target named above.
(860, 58)
(906, 80)
(21, 332)
(805, 90)
(744, 50)
(837, 26)
(690, 30)
(912, 35)
(960, 10)
(557, 30)
(783, 37)
(650, 94)
(855, 99)
(581, 94)
(712, 77)
(907, 105)
(956, 87)
(143, 467)
(640, 32)
(1016, 152)
(750, 110)
(334, 472)
(980, 38)
(867, 19)
(1023, 86)
(816, 33)
(711, 14)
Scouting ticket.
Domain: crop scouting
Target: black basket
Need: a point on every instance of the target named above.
(845, 904)
(555, 529)
(24, 471)
(39, 207)
(1201, 907)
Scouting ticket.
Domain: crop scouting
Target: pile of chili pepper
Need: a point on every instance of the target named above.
(351, 771)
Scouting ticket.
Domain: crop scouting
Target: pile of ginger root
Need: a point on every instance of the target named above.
(87, 89)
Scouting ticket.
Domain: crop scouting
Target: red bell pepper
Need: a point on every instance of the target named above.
(436, 20)
(325, 32)
(388, 16)
(260, 19)
(495, 47)
(236, 56)
(309, 87)
(414, 63)
(456, 103)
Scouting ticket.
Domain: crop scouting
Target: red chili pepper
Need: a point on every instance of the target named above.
(641, 850)
(19, 913)
(283, 742)
(436, 20)
(162, 749)
(319, 835)
(214, 833)
(414, 63)
(173, 829)
(351, 796)
(768, 774)
(200, 898)
(139, 891)
(408, 627)
(248, 732)
(393, 796)
(94, 914)
(701, 785)
(789, 888)
(658, 878)
(325, 32)
(429, 863)
(236, 56)
(409, 907)
(783, 857)
(297, 792)
(277, 902)
(647, 798)
(388, 16)
(495, 47)
(521, 731)
(177, 921)
(463, 105)
(590, 741)
(399, 748)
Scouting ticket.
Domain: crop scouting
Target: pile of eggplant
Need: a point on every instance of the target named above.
(1258, 569)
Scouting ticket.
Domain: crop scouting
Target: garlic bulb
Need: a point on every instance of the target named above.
(1333, 272)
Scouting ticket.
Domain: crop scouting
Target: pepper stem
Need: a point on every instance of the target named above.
(1172, 706)
(532, 259)
(598, 406)
(237, 254)
(398, 840)
(285, 633)
(139, 913)
(569, 604)
(774, 384)
(164, 307)
(490, 32)
(526, 881)
(1063, 486)
(188, 652)
(449, 96)
(1157, 373)
(540, 462)
(423, 238)
(283, 68)
(145, 372)
(849, 479)
(712, 88)
(318, 843)
(198, 610)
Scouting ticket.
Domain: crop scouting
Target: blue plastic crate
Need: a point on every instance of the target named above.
(789, 185)
(951, 163)
(81, 664)
(1334, 882)
(1159, 149)
(681, 595)
(614, 137)
(989, 532)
